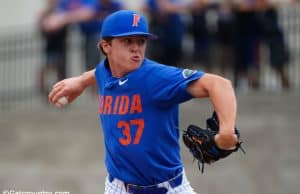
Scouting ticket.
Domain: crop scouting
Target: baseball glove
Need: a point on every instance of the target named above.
(202, 145)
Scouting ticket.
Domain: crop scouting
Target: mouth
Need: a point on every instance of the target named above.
(136, 58)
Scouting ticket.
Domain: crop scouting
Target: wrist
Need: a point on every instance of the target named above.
(87, 79)
(83, 81)
(226, 141)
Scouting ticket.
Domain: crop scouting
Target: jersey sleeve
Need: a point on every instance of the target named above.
(168, 85)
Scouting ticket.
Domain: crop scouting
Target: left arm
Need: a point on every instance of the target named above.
(71, 87)
(222, 96)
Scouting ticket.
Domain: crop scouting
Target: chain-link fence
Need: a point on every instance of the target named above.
(22, 57)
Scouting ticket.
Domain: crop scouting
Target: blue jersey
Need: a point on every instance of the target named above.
(139, 116)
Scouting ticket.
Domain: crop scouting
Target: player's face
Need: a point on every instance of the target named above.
(127, 53)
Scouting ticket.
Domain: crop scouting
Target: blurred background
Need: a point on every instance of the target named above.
(254, 43)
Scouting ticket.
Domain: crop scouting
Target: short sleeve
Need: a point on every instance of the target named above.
(168, 85)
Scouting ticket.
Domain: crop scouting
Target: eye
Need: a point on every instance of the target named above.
(141, 41)
(127, 40)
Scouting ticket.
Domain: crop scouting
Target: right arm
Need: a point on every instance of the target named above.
(72, 87)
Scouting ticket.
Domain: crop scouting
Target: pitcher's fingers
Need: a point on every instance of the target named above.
(58, 95)
(58, 84)
(53, 92)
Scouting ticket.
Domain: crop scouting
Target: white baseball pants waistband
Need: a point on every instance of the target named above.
(176, 185)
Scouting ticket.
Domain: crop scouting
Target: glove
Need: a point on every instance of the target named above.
(202, 145)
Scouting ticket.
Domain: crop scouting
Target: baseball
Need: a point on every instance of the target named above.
(63, 100)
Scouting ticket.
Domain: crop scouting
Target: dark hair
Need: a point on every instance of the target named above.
(107, 39)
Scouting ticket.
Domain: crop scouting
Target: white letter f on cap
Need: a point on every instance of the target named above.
(136, 19)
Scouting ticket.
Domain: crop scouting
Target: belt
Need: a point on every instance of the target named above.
(161, 188)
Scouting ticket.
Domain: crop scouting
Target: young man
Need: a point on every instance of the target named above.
(138, 108)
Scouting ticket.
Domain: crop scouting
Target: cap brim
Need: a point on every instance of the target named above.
(148, 35)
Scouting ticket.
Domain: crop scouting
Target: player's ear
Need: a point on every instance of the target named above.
(104, 46)
(99, 45)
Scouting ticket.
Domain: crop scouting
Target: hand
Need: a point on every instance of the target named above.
(226, 141)
(54, 22)
(71, 88)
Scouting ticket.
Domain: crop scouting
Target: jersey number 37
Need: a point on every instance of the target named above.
(126, 127)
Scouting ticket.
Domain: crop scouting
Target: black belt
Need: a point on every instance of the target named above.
(153, 189)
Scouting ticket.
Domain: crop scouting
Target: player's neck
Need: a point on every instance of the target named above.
(121, 70)
(117, 73)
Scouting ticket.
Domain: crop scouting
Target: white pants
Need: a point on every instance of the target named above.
(118, 187)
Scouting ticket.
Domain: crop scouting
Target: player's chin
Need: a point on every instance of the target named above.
(135, 62)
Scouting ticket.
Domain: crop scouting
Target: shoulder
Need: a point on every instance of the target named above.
(157, 67)
(100, 68)
(152, 71)
(162, 69)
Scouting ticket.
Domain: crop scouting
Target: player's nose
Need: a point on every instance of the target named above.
(138, 43)
(134, 47)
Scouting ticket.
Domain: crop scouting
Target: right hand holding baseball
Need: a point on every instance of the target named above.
(70, 88)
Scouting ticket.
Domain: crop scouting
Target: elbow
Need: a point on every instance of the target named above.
(226, 83)
(220, 83)
(210, 85)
